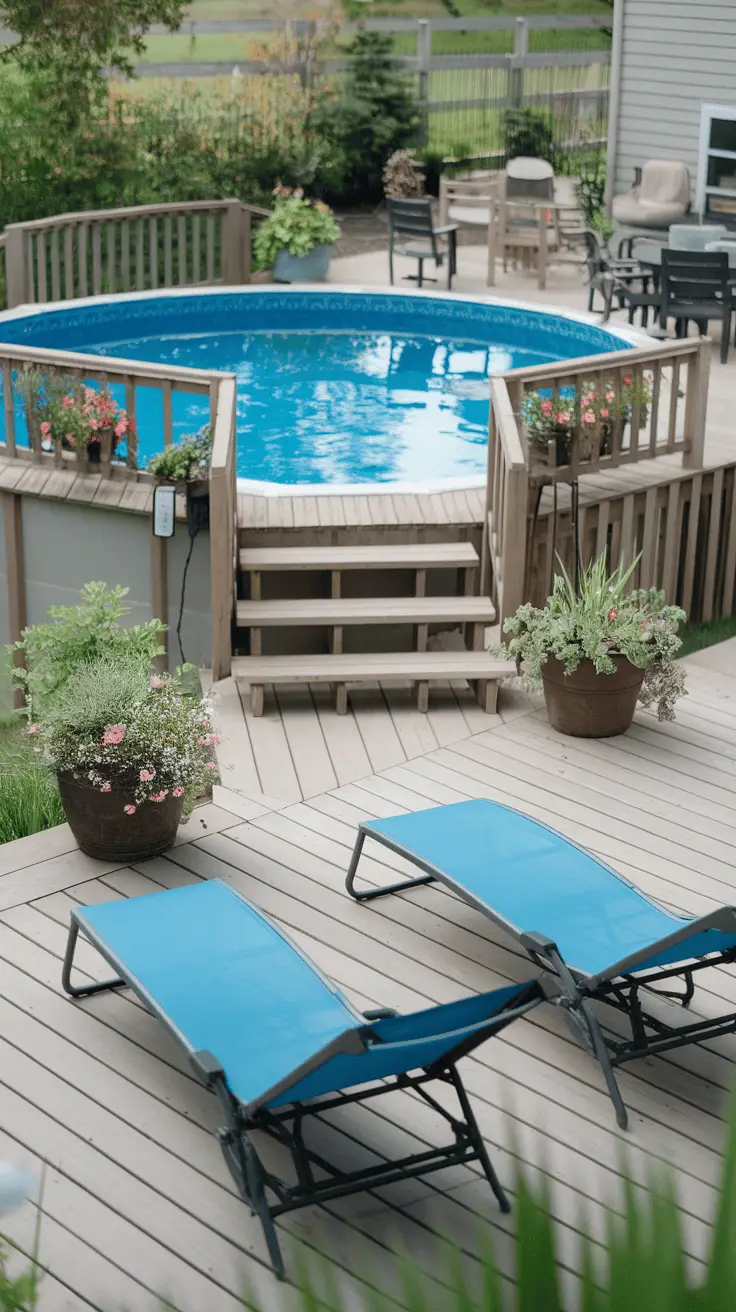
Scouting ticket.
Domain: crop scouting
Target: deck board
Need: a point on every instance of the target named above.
(138, 1200)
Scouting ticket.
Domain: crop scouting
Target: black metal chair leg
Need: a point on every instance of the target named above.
(82, 990)
(420, 270)
(725, 336)
(477, 1141)
(367, 895)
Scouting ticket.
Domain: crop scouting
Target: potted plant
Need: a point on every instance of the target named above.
(85, 420)
(592, 410)
(131, 749)
(296, 239)
(598, 649)
(186, 461)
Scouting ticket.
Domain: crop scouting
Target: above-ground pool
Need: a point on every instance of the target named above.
(334, 386)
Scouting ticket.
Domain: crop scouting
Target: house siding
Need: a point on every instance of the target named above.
(675, 55)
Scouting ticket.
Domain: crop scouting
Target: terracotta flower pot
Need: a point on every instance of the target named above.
(104, 830)
(591, 705)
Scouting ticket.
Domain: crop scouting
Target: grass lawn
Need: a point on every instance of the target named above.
(695, 637)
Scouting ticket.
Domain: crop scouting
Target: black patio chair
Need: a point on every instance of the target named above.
(696, 285)
(617, 277)
(411, 232)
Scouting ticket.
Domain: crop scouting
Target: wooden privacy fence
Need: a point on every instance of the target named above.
(647, 403)
(189, 244)
(28, 467)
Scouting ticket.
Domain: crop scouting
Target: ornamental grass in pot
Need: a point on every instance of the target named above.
(598, 649)
(132, 749)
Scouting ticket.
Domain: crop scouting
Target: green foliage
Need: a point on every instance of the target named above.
(295, 225)
(375, 114)
(71, 418)
(77, 634)
(19, 1294)
(591, 188)
(188, 459)
(73, 40)
(528, 132)
(599, 621)
(29, 801)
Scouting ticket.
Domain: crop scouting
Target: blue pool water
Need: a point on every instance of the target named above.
(333, 387)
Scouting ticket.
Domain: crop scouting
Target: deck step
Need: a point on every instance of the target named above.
(433, 555)
(365, 610)
(370, 667)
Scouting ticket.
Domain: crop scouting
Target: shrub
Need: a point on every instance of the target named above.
(402, 176)
(375, 114)
(528, 132)
(591, 187)
(76, 635)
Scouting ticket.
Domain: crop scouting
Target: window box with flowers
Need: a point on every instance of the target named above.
(80, 419)
(132, 749)
(591, 410)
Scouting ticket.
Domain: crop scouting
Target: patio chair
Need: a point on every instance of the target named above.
(411, 232)
(610, 276)
(593, 934)
(696, 285)
(278, 1043)
(660, 197)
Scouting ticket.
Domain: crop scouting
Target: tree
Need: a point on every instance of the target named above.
(76, 39)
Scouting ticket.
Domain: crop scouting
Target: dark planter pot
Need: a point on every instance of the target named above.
(102, 828)
(591, 705)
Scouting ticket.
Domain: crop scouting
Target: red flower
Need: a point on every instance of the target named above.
(612, 614)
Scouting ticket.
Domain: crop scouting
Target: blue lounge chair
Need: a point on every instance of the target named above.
(596, 937)
(278, 1043)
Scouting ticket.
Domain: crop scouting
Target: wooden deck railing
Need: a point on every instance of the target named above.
(141, 248)
(667, 390)
(220, 391)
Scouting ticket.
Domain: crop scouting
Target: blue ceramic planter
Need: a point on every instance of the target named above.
(302, 268)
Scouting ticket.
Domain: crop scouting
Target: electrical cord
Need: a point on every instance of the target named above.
(192, 536)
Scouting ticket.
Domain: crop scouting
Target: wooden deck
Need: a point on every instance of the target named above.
(137, 1200)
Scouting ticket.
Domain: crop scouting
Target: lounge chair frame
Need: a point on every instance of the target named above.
(573, 992)
(286, 1125)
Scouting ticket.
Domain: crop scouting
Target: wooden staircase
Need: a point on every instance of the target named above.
(282, 617)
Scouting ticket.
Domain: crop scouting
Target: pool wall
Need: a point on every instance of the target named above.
(67, 544)
(73, 325)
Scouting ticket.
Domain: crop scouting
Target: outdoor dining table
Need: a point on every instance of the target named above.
(649, 253)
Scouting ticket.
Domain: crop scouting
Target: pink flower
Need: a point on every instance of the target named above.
(113, 735)
(33, 728)
(106, 788)
(129, 810)
(45, 427)
(146, 775)
(208, 741)
(120, 427)
(604, 412)
(589, 417)
(209, 766)
(177, 792)
(628, 381)
(156, 682)
(613, 612)
(159, 797)
(546, 407)
(67, 401)
(610, 396)
(563, 417)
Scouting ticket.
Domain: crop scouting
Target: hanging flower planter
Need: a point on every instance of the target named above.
(84, 420)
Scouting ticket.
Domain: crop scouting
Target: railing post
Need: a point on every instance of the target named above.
(233, 244)
(223, 529)
(696, 405)
(16, 267)
(514, 542)
(424, 54)
(11, 508)
(516, 70)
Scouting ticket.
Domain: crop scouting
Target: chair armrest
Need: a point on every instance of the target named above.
(448, 227)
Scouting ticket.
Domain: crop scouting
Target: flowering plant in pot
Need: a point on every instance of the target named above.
(597, 649)
(185, 461)
(296, 239)
(592, 410)
(85, 420)
(131, 750)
